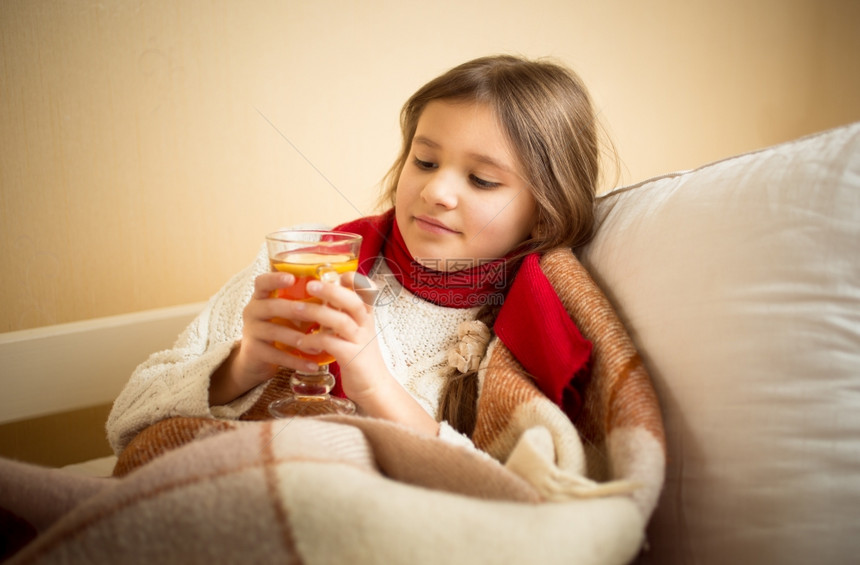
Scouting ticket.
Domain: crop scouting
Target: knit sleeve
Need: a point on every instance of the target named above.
(175, 382)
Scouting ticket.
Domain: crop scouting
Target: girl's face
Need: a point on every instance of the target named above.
(461, 197)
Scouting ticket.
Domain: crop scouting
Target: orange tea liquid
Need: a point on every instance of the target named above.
(306, 267)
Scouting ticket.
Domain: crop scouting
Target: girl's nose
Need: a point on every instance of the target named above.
(440, 191)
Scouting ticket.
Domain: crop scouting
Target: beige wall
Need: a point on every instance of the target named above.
(146, 147)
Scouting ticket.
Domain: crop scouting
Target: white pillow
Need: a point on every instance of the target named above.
(740, 283)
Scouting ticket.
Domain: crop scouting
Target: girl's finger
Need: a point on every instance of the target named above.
(269, 340)
(287, 360)
(267, 283)
(340, 298)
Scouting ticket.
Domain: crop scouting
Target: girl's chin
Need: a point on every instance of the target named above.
(438, 259)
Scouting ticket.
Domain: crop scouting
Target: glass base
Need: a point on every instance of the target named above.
(293, 406)
(311, 396)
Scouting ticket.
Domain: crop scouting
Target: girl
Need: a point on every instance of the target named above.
(499, 164)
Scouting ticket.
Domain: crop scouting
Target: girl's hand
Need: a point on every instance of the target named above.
(256, 360)
(348, 334)
(351, 338)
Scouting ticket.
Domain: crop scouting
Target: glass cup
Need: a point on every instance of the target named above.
(310, 255)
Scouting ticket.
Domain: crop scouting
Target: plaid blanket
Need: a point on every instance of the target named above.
(347, 489)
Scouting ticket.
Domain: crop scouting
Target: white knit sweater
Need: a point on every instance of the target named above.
(414, 337)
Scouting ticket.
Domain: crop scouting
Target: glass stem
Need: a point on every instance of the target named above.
(312, 386)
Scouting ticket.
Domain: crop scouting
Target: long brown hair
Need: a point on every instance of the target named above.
(547, 115)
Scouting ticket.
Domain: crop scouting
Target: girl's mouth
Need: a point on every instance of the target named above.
(434, 226)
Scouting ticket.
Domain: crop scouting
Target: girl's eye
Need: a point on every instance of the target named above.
(424, 165)
(481, 183)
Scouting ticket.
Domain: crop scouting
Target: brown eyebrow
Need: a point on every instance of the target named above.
(422, 140)
(425, 141)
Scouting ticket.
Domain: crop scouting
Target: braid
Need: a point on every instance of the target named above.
(459, 400)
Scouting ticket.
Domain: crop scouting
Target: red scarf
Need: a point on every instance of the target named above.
(463, 287)
(532, 322)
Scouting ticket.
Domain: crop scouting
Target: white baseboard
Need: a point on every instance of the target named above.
(70, 366)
